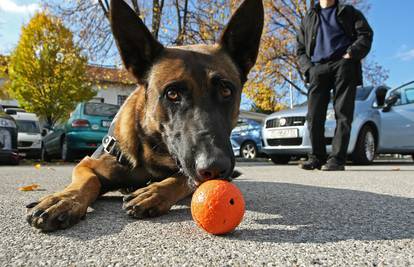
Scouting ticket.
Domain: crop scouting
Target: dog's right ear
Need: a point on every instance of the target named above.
(137, 46)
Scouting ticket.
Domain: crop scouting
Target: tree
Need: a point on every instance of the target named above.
(3, 76)
(47, 71)
(201, 21)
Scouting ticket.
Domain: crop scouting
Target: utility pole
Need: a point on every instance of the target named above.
(290, 91)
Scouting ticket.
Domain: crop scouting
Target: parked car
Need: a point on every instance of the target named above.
(246, 138)
(8, 139)
(29, 139)
(81, 134)
(383, 123)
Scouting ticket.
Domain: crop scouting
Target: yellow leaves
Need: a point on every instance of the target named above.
(47, 71)
(31, 187)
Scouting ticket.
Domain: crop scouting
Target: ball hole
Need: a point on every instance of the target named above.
(231, 201)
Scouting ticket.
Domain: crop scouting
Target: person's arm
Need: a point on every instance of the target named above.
(304, 61)
(362, 45)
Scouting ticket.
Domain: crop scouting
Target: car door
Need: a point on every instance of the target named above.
(397, 124)
(53, 139)
(407, 111)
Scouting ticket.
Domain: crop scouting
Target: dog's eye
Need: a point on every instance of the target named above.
(173, 95)
(226, 92)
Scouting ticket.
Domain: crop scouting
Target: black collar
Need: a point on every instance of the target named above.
(111, 146)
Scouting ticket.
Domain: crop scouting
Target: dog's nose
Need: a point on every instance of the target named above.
(218, 167)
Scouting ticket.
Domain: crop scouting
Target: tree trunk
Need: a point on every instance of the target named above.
(157, 7)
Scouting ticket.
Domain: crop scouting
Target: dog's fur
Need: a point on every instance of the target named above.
(173, 129)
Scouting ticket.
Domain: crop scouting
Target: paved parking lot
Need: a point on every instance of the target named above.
(364, 216)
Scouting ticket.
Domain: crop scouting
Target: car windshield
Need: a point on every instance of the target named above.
(100, 109)
(28, 126)
(363, 92)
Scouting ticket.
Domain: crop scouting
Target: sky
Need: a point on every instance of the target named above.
(392, 21)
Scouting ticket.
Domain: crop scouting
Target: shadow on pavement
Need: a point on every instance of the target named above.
(282, 213)
(308, 214)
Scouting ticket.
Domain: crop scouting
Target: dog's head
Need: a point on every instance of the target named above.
(192, 92)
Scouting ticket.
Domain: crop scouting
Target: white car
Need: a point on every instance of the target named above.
(29, 139)
(383, 123)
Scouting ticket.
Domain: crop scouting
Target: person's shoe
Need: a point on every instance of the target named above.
(311, 164)
(333, 165)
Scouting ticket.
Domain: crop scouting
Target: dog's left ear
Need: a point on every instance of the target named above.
(241, 37)
(137, 46)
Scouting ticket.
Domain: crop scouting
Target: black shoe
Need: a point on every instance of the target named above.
(333, 165)
(311, 164)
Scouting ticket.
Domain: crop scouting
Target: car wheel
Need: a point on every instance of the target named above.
(14, 160)
(412, 156)
(365, 148)
(66, 152)
(248, 150)
(44, 156)
(280, 159)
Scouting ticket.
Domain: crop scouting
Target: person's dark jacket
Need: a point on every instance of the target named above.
(355, 27)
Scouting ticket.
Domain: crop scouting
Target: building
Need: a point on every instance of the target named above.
(112, 85)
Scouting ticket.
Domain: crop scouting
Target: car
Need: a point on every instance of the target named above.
(383, 123)
(29, 139)
(81, 134)
(8, 139)
(246, 138)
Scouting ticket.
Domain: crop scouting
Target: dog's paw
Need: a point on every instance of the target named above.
(57, 211)
(146, 202)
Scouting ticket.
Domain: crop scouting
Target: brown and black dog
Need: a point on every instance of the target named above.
(173, 131)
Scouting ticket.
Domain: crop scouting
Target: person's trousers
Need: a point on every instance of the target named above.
(341, 76)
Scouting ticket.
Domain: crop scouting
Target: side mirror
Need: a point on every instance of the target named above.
(44, 132)
(380, 94)
(389, 102)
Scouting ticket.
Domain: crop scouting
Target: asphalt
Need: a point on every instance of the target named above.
(361, 217)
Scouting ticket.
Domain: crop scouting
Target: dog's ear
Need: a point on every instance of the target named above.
(137, 46)
(241, 37)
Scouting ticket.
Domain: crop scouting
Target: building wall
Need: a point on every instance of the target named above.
(113, 93)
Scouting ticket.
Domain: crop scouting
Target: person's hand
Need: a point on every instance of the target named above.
(347, 56)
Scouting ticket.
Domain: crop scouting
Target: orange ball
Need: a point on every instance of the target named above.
(217, 206)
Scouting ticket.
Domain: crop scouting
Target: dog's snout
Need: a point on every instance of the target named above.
(217, 167)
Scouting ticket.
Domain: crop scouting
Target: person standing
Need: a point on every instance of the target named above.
(332, 40)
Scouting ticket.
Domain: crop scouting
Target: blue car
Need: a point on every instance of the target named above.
(246, 138)
(81, 134)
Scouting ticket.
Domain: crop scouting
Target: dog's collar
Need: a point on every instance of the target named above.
(111, 146)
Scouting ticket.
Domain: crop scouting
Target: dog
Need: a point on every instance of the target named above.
(172, 133)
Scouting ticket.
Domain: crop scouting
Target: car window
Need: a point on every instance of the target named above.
(27, 126)
(100, 109)
(409, 95)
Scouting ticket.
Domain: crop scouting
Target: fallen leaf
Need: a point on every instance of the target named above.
(31, 187)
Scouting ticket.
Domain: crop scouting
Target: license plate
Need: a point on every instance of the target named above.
(283, 133)
(106, 124)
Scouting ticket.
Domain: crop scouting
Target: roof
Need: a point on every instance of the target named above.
(110, 74)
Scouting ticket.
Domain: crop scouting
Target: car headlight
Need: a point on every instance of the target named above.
(330, 114)
(7, 123)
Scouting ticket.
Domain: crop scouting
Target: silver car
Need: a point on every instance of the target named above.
(383, 123)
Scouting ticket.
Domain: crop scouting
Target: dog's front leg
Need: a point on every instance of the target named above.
(63, 209)
(157, 198)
